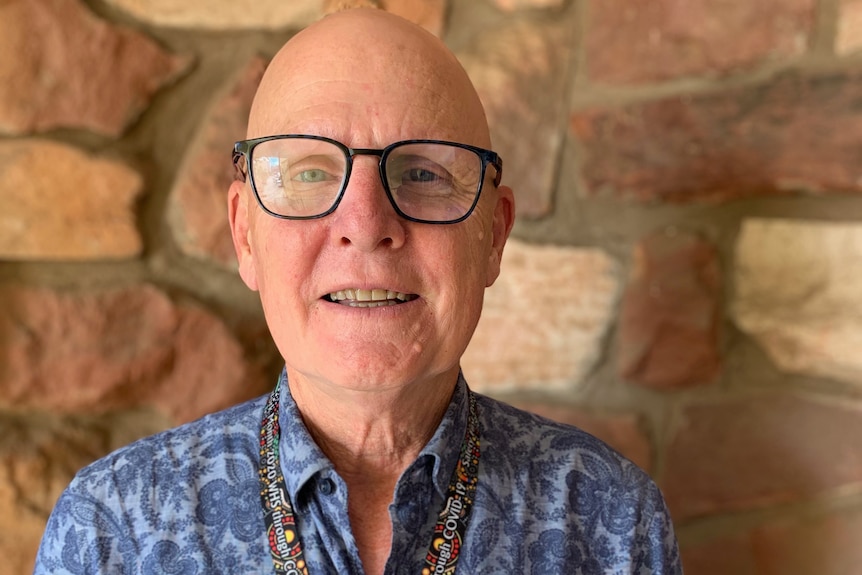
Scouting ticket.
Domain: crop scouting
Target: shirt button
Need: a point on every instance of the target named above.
(326, 486)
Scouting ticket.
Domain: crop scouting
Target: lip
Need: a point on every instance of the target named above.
(375, 297)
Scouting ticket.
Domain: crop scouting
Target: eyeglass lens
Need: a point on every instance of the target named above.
(303, 177)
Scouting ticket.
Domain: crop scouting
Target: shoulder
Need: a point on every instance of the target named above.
(546, 461)
(233, 430)
(525, 436)
(174, 491)
(572, 495)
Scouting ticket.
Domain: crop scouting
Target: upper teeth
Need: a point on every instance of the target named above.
(368, 295)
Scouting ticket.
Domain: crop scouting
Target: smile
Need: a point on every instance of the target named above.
(368, 297)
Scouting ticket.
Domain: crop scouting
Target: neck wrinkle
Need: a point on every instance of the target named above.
(372, 436)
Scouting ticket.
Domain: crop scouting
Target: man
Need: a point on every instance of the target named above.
(370, 217)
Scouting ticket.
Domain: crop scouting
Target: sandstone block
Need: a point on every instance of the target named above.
(798, 291)
(759, 451)
(521, 73)
(197, 207)
(544, 319)
(223, 14)
(826, 545)
(671, 313)
(849, 35)
(61, 67)
(637, 42)
(39, 454)
(271, 14)
(623, 432)
(429, 14)
(332, 6)
(77, 352)
(720, 556)
(63, 204)
(513, 5)
(743, 142)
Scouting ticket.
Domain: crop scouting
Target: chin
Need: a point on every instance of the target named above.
(370, 374)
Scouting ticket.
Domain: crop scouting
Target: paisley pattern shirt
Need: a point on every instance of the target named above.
(550, 499)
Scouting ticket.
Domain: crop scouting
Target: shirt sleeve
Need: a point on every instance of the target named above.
(82, 537)
(660, 553)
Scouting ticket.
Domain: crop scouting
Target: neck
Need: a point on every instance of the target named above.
(372, 435)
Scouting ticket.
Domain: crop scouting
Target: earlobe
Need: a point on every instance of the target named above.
(501, 227)
(238, 216)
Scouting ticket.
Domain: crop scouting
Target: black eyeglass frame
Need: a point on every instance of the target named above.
(243, 150)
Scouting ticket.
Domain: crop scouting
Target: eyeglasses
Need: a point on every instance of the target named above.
(301, 177)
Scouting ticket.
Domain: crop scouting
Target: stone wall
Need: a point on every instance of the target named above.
(685, 278)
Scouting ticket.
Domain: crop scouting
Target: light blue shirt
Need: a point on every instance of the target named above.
(550, 499)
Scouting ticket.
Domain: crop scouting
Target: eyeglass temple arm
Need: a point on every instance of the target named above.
(497, 162)
(239, 166)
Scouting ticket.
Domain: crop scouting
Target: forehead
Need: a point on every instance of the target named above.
(368, 84)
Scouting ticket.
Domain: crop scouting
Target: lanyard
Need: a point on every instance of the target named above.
(283, 533)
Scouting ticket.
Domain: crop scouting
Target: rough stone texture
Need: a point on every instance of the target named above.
(61, 203)
(759, 451)
(197, 208)
(827, 545)
(272, 14)
(622, 432)
(521, 73)
(671, 312)
(722, 556)
(61, 67)
(223, 14)
(513, 5)
(103, 350)
(634, 42)
(544, 319)
(38, 456)
(849, 35)
(741, 142)
(332, 6)
(799, 292)
(429, 14)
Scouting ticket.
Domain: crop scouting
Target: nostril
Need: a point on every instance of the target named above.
(386, 242)
(367, 227)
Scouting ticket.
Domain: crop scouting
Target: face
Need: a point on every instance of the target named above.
(332, 80)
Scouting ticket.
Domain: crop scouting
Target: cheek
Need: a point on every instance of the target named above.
(462, 265)
(269, 267)
(285, 251)
(283, 267)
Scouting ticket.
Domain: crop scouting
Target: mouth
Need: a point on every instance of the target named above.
(355, 297)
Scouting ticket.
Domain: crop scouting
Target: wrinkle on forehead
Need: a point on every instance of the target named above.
(369, 60)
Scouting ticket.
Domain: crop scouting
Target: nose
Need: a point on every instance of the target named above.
(365, 218)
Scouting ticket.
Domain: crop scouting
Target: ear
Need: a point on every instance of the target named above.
(501, 227)
(237, 210)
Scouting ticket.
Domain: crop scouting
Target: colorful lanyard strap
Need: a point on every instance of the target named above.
(283, 533)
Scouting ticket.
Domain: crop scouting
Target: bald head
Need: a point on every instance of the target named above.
(369, 79)
(365, 74)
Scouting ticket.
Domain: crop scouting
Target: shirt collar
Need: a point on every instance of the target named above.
(445, 445)
(302, 459)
